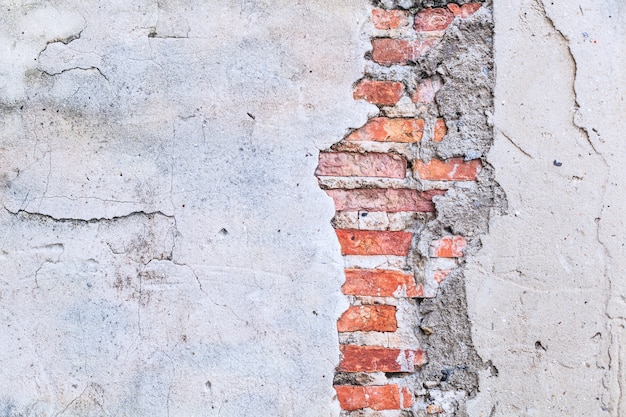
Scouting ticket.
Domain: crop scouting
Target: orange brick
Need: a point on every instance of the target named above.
(380, 283)
(455, 169)
(448, 247)
(433, 20)
(384, 397)
(351, 164)
(426, 90)
(368, 318)
(387, 51)
(384, 93)
(383, 129)
(374, 242)
(464, 11)
(387, 200)
(439, 276)
(379, 359)
(440, 130)
(389, 19)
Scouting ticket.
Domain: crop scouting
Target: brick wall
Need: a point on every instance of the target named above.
(387, 179)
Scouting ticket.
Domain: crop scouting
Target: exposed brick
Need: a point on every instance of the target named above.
(380, 283)
(379, 359)
(389, 19)
(465, 10)
(439, 276)
(368, 318)
(425, 91)
(431, 20)
(373, 242)
(455, 169)
(387, 51)
(383, 129)
(448, 247)
(440, 130)
(384, 397)
(352, 164)
(434, 409)
(384, 93)
(387, 200)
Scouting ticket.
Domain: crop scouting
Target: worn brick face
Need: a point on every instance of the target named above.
(373, 242)
(455, 169)
(385, 397)
(465, 10)
(384, 93)
(389, 19)
(425, 91)
(379, 359)
(386, 51)
(383, 129)
(387, 200)
(380, 283)
(440, 130)
(432, 20)
(448, 247)
(352, 164)
(368, 318)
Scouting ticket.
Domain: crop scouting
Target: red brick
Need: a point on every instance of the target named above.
(387, 200)
(455, 169)
(368, 318)
(384, 397)
(448, 247)
(383, 93)
(383, 129)
(374, 242)
(387, 51)
(439, 276)
(351, 164)
(431, 20)
(464, 11)
(389, 19)
(379, 359)
(440, 130)
(380, 283)
(426, 90)
(434, 409)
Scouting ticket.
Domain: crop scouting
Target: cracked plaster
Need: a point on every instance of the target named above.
(166, 249)
(544, 293)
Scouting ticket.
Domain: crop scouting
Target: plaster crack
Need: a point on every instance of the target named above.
(519, 148)
(22, 212)
(90, 68)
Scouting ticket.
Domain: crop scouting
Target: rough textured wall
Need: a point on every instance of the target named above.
(413, 192)
(546, 292)
(165, 248)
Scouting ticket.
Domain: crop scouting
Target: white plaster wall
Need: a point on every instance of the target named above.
(165, 248)
(546, 292)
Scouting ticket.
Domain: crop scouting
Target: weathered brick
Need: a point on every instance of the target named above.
(426, 90)
(374, 242)
(389, 19)
(439, 276)
(383, 93)
(383, 129)
(384, 397)
(387, 200)
(465, 10)
(380, 283)
(440, 130)
(379, 359)
(368, 318)
(448, 247)
(433, 20)
(386, 51)
(352, 164)
(455, 169)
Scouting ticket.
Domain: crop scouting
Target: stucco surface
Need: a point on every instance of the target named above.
(546, 292)
(166, 249)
